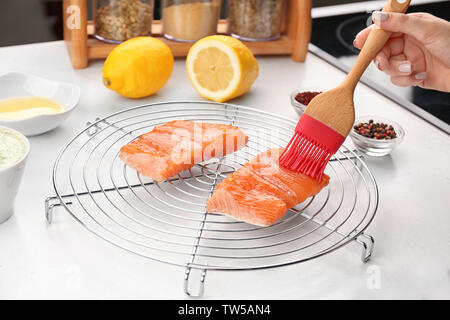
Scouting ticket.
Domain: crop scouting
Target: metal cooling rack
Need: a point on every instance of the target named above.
(168, 222)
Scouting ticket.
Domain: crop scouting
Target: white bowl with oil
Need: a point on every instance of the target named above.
(16, 86)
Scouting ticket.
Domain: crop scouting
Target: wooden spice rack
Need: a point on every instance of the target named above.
(82, 46)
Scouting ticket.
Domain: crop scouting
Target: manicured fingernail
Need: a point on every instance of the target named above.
(421, 76)
(377, 63)
(405, 67)
(379, 16)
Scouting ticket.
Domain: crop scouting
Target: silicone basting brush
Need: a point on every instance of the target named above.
(329, 117)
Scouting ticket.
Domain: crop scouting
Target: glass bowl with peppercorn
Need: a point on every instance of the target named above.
(301, 98)
(375, 136)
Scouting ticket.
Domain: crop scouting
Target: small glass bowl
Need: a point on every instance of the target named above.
(300, 107)
(373, 147)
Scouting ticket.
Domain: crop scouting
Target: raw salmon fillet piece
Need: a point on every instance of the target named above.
(178, 145)
(261, 192)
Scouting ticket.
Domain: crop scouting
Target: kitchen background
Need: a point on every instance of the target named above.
(335, 24)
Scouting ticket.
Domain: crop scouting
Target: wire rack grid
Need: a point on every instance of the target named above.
(168, 221)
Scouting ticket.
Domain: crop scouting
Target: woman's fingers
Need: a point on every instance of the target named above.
(401, 56)
(398, 67)
(382, 59)
(396, 45)
(416, 25)
(393, 48)
(361, 37)
(417, 51)
(412, 80)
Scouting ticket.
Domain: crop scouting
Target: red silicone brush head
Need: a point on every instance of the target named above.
(311, 147)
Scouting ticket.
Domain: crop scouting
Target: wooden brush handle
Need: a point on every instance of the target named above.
(375, 41)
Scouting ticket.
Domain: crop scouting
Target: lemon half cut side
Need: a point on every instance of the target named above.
(221, 68)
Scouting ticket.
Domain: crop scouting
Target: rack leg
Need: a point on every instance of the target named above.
(367, 242)
(201, 288)
(50, 203)
(49, 210)
(95, 127)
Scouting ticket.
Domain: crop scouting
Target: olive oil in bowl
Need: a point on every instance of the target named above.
(27, 107)
(33, 105)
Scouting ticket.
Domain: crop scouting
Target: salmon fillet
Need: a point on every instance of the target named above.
(178, 145)
(261, 192)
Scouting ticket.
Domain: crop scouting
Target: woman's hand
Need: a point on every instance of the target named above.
(418, 52)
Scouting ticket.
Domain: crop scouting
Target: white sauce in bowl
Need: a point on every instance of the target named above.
(12, 148)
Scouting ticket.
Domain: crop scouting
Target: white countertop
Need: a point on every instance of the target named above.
(62, 260)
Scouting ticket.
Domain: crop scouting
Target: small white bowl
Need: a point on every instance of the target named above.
(15, 85)
(10, 178)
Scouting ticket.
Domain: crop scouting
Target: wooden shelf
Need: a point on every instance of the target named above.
(82, 46)
(99, 50)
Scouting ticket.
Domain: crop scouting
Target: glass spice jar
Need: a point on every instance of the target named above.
(190, 20)
(120, 20)
(255, 20)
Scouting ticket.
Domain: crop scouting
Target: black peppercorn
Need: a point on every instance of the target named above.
(375, 130)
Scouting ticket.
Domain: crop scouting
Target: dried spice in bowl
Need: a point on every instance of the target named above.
(306, 97)
(301, 98)
(255, 20)
(119, 20)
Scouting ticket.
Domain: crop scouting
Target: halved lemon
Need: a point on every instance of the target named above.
(221, 68)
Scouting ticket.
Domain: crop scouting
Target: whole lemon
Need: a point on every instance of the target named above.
(138, 67)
